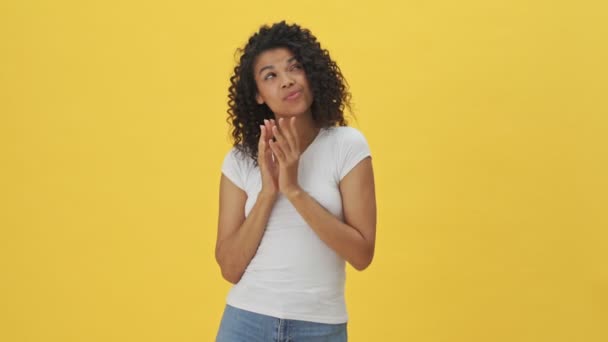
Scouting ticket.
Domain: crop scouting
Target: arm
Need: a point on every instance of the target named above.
(354, 239)
(238, 237)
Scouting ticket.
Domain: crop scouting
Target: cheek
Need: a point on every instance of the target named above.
(264, 93)
(306, 84)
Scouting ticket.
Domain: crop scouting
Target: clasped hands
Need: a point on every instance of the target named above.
(278, 159)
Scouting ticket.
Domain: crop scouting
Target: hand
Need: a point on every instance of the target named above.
(268, 167)
(286, 149)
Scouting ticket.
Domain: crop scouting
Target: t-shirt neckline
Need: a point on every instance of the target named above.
(321, 130)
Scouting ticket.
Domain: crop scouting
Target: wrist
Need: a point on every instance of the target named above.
(267, 194)
(294, 193)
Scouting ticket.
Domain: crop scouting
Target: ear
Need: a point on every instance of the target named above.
(259, 98)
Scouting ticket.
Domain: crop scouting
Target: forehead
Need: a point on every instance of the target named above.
(275, 56)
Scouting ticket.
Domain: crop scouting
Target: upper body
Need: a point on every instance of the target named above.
(294, 274)
(298, 201)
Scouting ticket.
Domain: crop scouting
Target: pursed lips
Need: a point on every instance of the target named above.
(292, 95)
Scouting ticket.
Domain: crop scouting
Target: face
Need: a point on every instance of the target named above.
(282, 83)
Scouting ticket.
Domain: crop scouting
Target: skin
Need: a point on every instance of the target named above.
(277, 74)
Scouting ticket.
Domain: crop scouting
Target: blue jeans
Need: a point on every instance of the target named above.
(239, 325)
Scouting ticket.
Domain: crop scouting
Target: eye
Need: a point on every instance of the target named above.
(297, 66)
(269, 75)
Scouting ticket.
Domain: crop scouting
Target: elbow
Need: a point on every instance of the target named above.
(361, 266)
(228, 272)
(231, 277)
(364, 263)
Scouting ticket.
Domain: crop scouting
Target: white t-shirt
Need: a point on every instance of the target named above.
(294, 274)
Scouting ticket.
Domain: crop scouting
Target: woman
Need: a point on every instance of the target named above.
(297, 197)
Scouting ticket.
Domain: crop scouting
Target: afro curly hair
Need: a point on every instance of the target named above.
(328, 85)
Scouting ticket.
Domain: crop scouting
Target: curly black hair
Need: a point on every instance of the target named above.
(328, 85)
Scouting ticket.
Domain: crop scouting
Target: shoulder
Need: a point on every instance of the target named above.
(346, 135)
(237, 156)
(234, 152)
(349, 147)
(345, 132)
(237, 166)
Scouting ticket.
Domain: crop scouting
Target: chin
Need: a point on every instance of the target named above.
(298, 114)
(296, 111)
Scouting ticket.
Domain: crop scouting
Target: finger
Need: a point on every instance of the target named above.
(268, 126)
(262, 145)
(281, 141)
(278, 152)
(285, 129)
(262, 137)
(273, 123)
(296, 139)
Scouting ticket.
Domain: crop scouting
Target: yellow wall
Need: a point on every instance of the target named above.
(487, 122)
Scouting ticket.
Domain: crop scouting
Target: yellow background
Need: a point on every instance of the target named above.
(487, 122)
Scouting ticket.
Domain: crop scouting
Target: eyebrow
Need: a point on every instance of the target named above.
(272, 66)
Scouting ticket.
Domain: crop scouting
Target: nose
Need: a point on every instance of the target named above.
(287, 81)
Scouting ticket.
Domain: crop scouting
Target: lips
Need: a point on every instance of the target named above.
(292, 95)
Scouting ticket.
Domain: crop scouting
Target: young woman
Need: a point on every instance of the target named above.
(297, 196)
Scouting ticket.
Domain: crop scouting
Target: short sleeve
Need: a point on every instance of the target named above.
(233, 168)
(353, 149)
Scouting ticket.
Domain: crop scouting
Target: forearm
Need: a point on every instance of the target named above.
(344, 239)
(236, 251)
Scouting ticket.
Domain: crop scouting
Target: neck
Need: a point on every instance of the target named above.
(306, 129)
